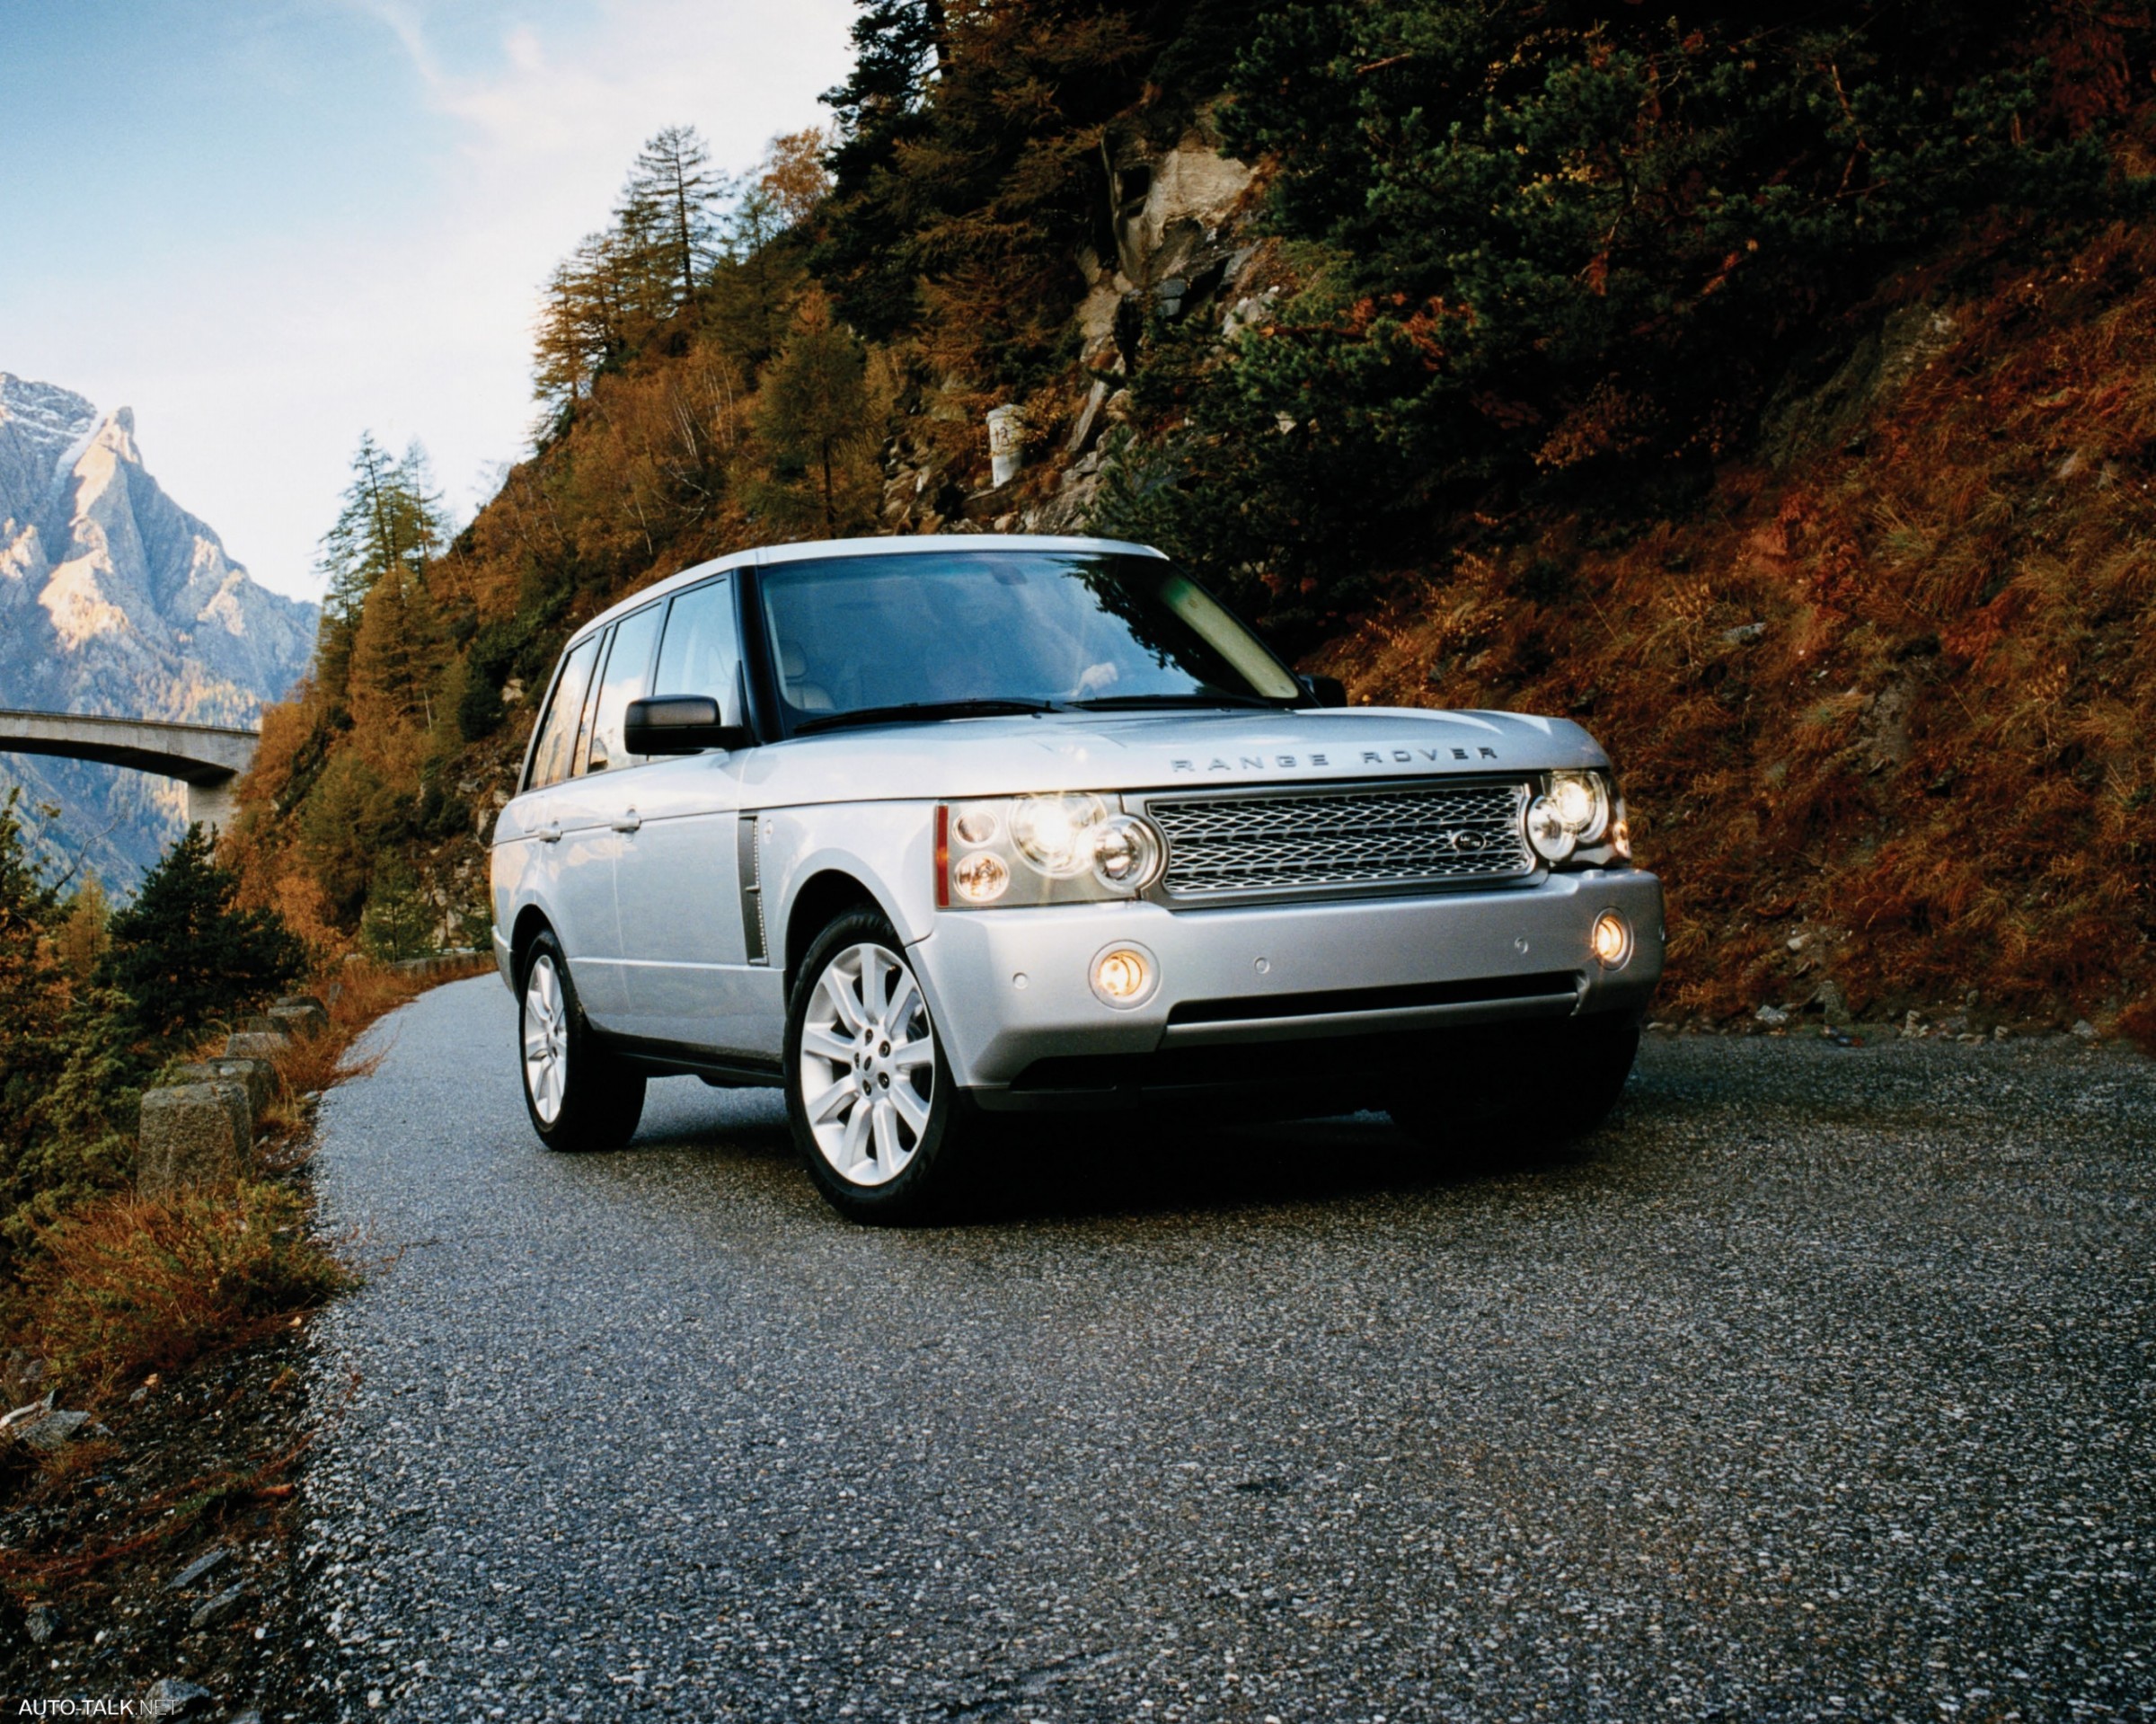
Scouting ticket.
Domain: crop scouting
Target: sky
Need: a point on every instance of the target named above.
(268, 225)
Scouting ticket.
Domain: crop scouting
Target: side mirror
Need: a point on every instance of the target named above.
(1324, 690)
(679, 724)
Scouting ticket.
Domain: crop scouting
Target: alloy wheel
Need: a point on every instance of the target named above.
(868, 1064)
(545, 1040)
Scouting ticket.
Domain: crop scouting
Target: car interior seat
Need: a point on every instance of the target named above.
(801, 694)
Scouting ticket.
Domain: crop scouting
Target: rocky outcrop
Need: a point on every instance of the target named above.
(1173, 244)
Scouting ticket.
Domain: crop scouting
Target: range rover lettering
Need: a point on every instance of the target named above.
(930, 830)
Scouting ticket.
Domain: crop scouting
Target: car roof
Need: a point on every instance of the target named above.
(910, 544)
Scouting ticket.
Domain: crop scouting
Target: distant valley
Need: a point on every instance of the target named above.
(114, 599)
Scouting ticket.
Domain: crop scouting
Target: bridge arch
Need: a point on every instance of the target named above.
(207, 758)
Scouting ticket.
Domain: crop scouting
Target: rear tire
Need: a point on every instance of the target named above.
(875, 1114)
(1495, 1092)
(578, 1095)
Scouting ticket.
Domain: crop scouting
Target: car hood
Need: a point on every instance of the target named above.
(1089, 751)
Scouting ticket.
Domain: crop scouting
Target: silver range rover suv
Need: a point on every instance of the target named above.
(927, 830)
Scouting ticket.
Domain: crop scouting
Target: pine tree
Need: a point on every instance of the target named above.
(33, 987)
(398, 652)
(866, 254)
(391, 518)
(184, 954)
(814, 413)
(665, 212)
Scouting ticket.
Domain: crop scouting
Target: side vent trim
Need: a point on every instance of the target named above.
(751, 887)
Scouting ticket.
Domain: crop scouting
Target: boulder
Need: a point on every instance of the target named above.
(300, 1014)
(259, 1075)
(194, 1134)
(256, 1044)
(41, 1622)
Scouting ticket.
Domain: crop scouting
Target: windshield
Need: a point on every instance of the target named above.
(1006, 630)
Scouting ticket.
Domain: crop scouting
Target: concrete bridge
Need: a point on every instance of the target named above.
(207, 758)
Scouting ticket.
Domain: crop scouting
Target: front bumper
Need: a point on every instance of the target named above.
(1013, 993)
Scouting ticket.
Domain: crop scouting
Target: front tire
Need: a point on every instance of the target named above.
(578, 1096)
(1498, 1092)
(875, 1113)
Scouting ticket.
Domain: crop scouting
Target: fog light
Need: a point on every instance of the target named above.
(980, 878)
(1124, 976)
(1611, 939)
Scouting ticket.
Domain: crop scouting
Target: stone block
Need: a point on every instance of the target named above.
(194, 1134)
(259, 1075)
(256, 1044)
(300, 1017)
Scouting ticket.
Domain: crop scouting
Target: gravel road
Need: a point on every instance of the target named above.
(1818, 1385)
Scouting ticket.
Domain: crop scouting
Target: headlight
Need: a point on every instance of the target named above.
(1582, 800)
(1126, 854)
(1066, 848)
(1574, 812)
(1055, 832)
(981, 877)
(1547, 831)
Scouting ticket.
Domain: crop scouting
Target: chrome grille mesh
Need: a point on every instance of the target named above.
(1223, 844)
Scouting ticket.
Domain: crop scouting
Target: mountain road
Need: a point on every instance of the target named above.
(1818, 1383)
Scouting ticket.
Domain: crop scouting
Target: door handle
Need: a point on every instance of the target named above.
(549, 835)
(629, 821)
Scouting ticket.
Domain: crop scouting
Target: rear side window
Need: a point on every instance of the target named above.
(702, 647)
(628, 672)
(557, 745)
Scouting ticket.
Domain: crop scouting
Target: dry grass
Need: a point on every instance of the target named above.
(1931, 770)
(131, 1283)
(134, 1284)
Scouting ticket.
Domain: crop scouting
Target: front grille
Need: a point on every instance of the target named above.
(1222, 845)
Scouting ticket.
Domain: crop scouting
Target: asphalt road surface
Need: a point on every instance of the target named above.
(1817, 1385)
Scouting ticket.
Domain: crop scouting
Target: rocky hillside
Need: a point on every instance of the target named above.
(1772, 404)
(114, 599)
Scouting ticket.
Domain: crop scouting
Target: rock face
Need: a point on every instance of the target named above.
(114, 599)
(1173, 240)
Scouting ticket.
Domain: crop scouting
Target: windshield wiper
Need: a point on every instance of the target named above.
(975, 708)
(1102, 702)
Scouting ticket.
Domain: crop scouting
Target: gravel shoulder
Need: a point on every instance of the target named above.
(1819, 1384)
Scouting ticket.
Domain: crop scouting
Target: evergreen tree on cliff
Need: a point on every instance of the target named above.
(185, 954)
(667, 208)
(391, 518)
